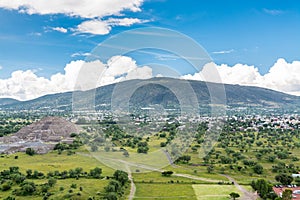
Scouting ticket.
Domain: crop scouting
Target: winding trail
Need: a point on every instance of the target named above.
(247, 195)
(132, 187)
(197, 178)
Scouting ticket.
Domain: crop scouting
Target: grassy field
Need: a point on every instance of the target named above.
(52, 161)
(156, 177)
(90, 187)
(165, 191)
(214, 192)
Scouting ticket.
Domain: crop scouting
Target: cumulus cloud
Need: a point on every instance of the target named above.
(60, 29)
(88, 9)
(122, 68)
(282, 76)
(92, 11)
(26, 85)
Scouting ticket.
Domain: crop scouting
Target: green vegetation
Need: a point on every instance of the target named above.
(234, 195)
(52, 173)
(260, 157)
(214, 192)
(164, 191)
(284, 179)
(264, 189)
(11, 124)
(30, 151)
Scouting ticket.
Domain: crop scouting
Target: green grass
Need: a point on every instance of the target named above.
(200, 171)
(156, 177)
(52, 161)
(91, 187)
(214, 192)
(164, 191)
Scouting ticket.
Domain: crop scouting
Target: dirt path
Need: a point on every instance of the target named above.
(246, 194)
(132, 187)
(196, 178)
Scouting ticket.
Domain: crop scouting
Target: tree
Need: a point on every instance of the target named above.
(51, 181)
(284, 179)
(297, 180)
(6, 186)
(121, 176)
(282, 155)
(166, 173)
(27, 188)
(125, 153)
(184, 159)
(263, 188)
(258, 169)
(143, 147)
(111, 196)
(234, 195)
(30, 151)
(287, 194)
(271, 158)
(96, 172)
(45, 188)
(163, 144)
(113, 186)
(73, 135)
(94, 148)
(210, 169)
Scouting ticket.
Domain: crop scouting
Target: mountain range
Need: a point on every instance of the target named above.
(157, 91)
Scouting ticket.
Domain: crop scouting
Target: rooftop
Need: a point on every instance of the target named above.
(296, 191)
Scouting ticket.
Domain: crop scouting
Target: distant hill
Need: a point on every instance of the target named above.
(7, 101)
(156, 93)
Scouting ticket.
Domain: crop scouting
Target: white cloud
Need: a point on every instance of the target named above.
(60, 29)
(96, 27)
(223, 52)
(1, 67)
(26, 85)
(80, 54)
(93, 11)
(88, 9)
(282, 76)
(103, 27)
(36, 34)
(124, 21)
(273, 11)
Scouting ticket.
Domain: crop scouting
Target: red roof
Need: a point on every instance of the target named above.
(279, 190)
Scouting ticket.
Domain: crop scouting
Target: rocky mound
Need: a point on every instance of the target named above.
(48, 129)
(41, 136)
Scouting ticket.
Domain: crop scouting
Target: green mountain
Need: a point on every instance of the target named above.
(159, 91)
(7, 101)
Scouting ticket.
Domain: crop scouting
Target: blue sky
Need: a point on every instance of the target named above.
(251, 32)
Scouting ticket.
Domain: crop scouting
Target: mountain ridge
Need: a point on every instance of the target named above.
(7, 101)
(153, 91)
